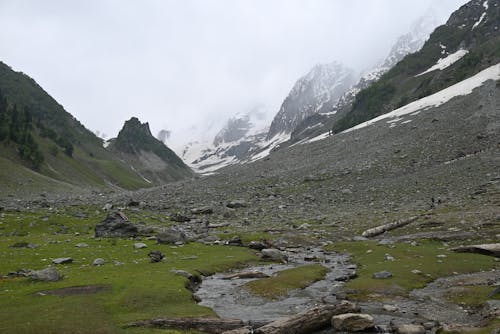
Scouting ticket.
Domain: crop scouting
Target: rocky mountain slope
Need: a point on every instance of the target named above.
(319, 89)
(406, 44)
(147, 156)
(239, 139)
(45, 147)
(466, 44)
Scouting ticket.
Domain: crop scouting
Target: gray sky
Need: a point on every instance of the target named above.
(187, 65)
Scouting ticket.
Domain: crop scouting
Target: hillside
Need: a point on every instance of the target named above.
(468, 43)
(147, 156)
(43, 147)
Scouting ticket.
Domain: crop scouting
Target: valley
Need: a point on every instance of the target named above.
(369, 204)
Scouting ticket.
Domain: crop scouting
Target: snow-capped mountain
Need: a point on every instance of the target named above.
(242, 136)
(405, 44)
(321, 87)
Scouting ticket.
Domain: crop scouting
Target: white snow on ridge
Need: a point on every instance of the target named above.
(464, 87)
(269, 145)
(446, 61)
(485, 5)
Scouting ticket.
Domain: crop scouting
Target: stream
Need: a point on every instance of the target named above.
(230, 300)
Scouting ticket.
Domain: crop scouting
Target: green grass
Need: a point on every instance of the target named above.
(139, 289)
(370, 258)
(471, 296)
(286, 280)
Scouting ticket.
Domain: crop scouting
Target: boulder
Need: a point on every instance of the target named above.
(98, 262)
(62, 260)
(179, 218)
(234, 241)
(204, 210)
(140, 245)
(256, 245)
(237, 204)
(352, 322)
(81, 245)
(116, 224)
(410, 329)
(49, 274)
(382, 274)
(273, 254)
(486, 249)
(171, 236)
(156, 256)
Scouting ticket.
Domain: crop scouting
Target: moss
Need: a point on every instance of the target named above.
(370, 258)
(471, 296)
(286, 280)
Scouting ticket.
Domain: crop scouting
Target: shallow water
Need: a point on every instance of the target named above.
(230, 300)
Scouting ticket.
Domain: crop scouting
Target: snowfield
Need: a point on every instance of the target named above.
(446, 62)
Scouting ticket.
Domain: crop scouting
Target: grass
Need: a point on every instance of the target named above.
(471, 296)
(139, 289)
(286, 280)
(424, 257)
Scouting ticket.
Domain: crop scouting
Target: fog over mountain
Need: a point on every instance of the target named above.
(187, 66)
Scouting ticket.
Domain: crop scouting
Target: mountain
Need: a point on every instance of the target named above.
(43, 147)
(468, 43)
(147, 156)
(405, 44)
(242, 136)
(320, 88)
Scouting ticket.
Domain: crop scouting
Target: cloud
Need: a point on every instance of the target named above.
(190, 64)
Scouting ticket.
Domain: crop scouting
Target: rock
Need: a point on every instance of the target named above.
(204, 210)
(49, 274)
(179, 218)
(273, 255)
(98, 262)
(256, 245)
(346, 191)
(382, 274)
(352, 322)
(304, 226)
(62, 260)
(388, 257)
(171, 236)
(81, 245)
(116, 224)
(410, 329)
(390, 308)
(140, 245)
(133, 203)
(156, 256)
(107, 207)
(416, 272)
(486, 249)
(234, 241)
(237, 204)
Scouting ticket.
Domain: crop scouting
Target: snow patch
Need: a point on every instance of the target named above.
(269, 145)
(485, 5)
(462, 88)
(447, 61)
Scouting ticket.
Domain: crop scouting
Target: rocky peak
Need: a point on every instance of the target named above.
(134, 134)
(242, 125)
(325, 83)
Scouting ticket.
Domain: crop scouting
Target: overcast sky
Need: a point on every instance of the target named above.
(187, 65)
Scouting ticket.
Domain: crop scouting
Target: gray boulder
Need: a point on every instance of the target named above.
(382, 274)
(352, 322)
(140, 245)
(98, 262)
(171, 236)
(156, 256)
(49, 274)
(204, 210)
(117, 225)
(237, 204)
(273, 254)
(62, 260)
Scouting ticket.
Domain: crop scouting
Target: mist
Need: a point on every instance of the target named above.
(186, 66)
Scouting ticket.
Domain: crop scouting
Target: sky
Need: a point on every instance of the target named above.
(187, 65)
